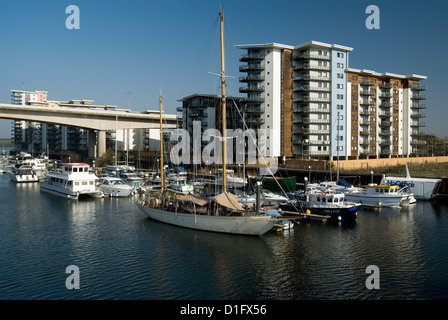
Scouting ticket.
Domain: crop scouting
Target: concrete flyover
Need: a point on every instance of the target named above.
(92, 119)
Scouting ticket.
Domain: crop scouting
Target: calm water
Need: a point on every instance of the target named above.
(123, 255)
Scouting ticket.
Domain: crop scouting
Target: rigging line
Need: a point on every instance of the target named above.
(201, 53)
(250, 134)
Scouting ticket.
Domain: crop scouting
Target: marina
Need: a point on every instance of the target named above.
(122, 254)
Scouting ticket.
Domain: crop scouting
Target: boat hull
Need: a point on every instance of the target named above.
(333, 213)
(375, 201)
(23, 178)
(64, 193)
(250, 225)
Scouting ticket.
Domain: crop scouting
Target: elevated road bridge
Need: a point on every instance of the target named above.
(89, 118)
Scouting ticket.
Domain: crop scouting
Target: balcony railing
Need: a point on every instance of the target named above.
(418, 106)
(310, 66)
(310, 88)
(418, 115)
(252, 89)
(367, 83)
(251, 67)
(367, 92)
(254, 110)
(311, 120)
(418, 124)
(311, 55)
(250, 57)
(386, 85)
(310, 77)
(418, 88)
(418, 96)
(310, 99)
(251, 77)
(366, 102)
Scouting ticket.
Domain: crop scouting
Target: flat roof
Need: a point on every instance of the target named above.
(266, 45)
(386, 74)
(318, 44)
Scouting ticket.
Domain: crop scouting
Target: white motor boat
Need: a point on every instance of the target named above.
(115, 187)
(22, 173)
(132, 179)
(375, 195)
(74, 181)
(181, 185)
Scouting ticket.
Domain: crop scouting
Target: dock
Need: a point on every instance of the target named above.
(300, 215)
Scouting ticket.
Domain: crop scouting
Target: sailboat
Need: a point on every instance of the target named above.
(222, 213)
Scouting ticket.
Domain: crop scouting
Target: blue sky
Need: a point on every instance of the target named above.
(125, 52)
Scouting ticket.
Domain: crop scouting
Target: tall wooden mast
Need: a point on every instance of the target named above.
(161, 144)
(223, 104)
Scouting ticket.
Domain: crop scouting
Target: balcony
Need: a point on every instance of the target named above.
(418, 88)
(367, 92)
(316, 131)
(385, 104)
(251, 67)
(418, 106)
(252, 100)
(418, 142)
(385, 132)
(366, 102)
(311, 109)
(385, 123)
(366, 82)
(310, 66)
(250, 57)
(310, 88)
(385, 95)
(254, 110)
(364, 132)
(363, 142)
(367, 112)
(385, 151)
(255, 121)
(418, 115)
(310, 77)
(418, 124)
(384, 142)
(310, 99)
(386, 85)
(418, 96)
(384, 114)
(366, 122)
(252, 89)
(318, 121)
(311, 55)
(252, 78)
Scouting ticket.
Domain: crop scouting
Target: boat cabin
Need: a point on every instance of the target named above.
(381, 189)
(323, 197)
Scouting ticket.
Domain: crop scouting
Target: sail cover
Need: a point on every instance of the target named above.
(198, 201)
(228, 200)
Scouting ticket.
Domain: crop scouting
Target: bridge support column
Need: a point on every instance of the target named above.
(101, 143)
(97, 147)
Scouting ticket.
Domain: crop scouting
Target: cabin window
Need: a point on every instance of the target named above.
(91, 183)
(86, 169)
(76, 183)
(69, 183)
(75, 169)
(84, 183)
